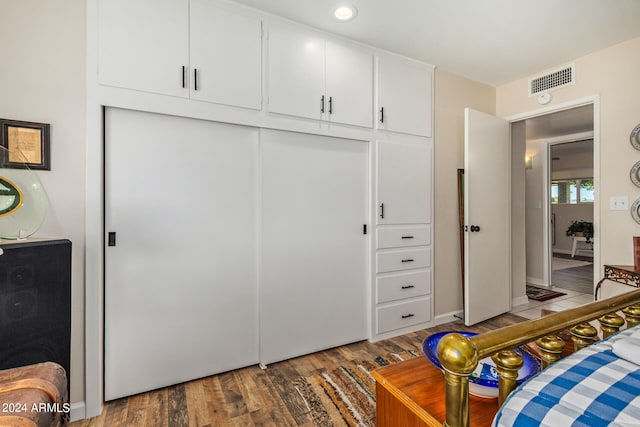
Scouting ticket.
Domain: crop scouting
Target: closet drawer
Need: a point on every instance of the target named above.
(396, 237)
(402, 285)
(403, 259)
(402, 315)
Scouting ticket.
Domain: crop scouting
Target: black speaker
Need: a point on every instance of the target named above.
(35, 303)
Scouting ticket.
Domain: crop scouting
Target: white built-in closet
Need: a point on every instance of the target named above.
(267, 194)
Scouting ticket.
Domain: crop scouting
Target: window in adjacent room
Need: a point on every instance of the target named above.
(572, 191)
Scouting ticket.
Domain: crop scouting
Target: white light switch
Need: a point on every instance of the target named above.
(619, 203)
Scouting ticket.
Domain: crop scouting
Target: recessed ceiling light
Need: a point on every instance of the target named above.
(344, 13)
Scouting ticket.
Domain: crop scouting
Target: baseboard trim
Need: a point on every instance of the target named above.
(452, 316)
(536, 282)
(77, 411)
(519, 301)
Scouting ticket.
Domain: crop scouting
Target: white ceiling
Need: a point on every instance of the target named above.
(566, 122)
(490, 41)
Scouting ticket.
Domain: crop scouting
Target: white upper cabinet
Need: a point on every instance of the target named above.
(295, 73)
(315, 78)
(404, 96)
(403, 182)
(226, 56)
(200, 49)
(144, 45)
(349, 84)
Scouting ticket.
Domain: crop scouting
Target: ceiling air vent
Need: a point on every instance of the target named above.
(553, 80)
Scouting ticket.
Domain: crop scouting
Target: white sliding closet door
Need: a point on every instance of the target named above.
(181, 281)
(314, 252)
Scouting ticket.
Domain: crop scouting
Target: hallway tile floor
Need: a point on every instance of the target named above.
(533, 309)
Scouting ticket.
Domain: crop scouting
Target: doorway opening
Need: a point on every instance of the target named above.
(561, 188)
(571, 209)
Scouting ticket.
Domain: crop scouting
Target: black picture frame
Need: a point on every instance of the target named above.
(31, 139)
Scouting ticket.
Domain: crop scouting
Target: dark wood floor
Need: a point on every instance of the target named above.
(253, 396)
(578, 279)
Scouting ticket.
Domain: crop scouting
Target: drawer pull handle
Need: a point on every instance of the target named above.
(407, 237)
(407, 260)
(406, 316)
(382, 210)
(407, 287)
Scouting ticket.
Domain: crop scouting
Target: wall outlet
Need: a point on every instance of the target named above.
(619, 203)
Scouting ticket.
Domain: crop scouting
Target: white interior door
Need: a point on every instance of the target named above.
(181, 281)
(487, 217)
(314, 253)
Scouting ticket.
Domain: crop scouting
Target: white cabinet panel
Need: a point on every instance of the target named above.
(202, 49)
(296, 73)
(404, 95)
(404, 185)
(403, 259)
(180, 283)
(225, 55)
(314, 254)
(402, 315)
(399, 286)
(349, 85)
(144, 45)
(399, 236)
(315, 78)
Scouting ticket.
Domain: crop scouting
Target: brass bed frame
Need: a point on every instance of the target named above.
(459, 355)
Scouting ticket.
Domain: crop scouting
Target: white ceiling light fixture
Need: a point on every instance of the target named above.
(345, 12)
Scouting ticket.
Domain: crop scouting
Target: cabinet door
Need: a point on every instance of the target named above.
(349, 85)
(404, 92)
(180, 282)
(225, 55)
(144, 45)
(403, 183)
(314, 254)
(295, 72)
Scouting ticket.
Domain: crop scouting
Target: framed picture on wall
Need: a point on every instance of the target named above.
(26, 143)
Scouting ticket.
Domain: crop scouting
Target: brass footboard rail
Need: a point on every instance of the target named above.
(459, 355)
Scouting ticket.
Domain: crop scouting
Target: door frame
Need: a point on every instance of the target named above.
(589, 100)
(546, 199)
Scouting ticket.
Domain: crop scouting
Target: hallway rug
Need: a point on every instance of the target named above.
(345, 396)
(539, 294)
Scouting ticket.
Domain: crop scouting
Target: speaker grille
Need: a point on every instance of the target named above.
(554, 80)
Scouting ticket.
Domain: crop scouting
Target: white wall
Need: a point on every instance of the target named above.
(452, 95)
(564, 214)
(613, 75)
(42, 79)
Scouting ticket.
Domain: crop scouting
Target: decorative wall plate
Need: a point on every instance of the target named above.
(634, 174)
(635, 214)
(634, 138)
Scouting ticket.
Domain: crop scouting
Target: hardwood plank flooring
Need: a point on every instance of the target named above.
(255, 397)
(578, 279)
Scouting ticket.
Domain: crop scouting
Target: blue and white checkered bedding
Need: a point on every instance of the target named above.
(592, 387)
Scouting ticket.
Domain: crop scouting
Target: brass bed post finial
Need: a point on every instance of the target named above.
(459, 357)
(632, 315)
(550, 348)
(583, 335)
(507, 364)
(610, 324)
